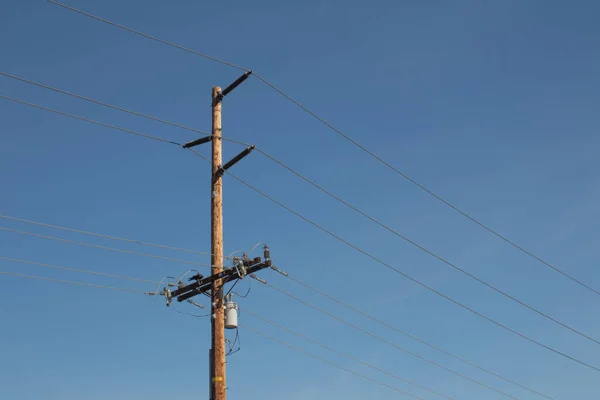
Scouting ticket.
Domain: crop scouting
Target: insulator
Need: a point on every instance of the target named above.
(197, 142)
(235, 84)
(237, 158)
(253, 276)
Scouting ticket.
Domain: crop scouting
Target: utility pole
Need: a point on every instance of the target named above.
(217, 352)
(213, 285)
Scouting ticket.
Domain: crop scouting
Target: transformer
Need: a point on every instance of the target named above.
(231, 314)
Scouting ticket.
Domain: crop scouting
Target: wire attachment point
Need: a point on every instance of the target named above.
(274, 268)
(195, 304)
(258, 279)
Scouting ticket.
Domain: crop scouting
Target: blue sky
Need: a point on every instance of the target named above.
(490, 104)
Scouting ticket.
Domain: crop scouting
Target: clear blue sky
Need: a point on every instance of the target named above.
(493, 105)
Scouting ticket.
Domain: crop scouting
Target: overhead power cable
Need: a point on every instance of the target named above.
(371, 317)
(160, 246)
(90, 120)
(289, 276)
(374, 319)
(424, 249)
(340, 353)
(103, 247)
(78, 270)
(340, 239)
(389, 266)
(348, 138)
(43, 236)
(71, 282)
(114, 107)
(427, 190)
(149, 36)
(272, 158)
(101, 103)
(332, 195)
(329, 362)
(345, 242)
(379, 338)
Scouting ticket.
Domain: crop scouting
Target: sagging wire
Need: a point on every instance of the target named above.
(184, 275)
(229, 257)
(169, 284)
(236, 293)
(247, 293)
(232, 350)
(256, 245)
(191, 314)
(231, 288)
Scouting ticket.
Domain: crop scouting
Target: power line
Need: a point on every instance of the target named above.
(348, 138)
(337, 198)
(329, 362)
(103, 247)
(148, 136)
(136, 241)
(103, 236)
(91, 121)
(148, 36)
(114, 107)
(296, 281)
(154, 282)
(290, 277)
(345, 354)
(372, 318)
(378, 260)
(71, 282)
(374, 336)
(78, 270)
(431, 193)
(329, 194)
(102, 103)
(330, 233)
(424, 249)
(425, 189)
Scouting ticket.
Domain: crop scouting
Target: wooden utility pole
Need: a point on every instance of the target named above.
(219, 275)
(217, 365)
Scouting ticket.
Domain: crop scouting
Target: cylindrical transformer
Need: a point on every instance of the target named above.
(231, 315)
